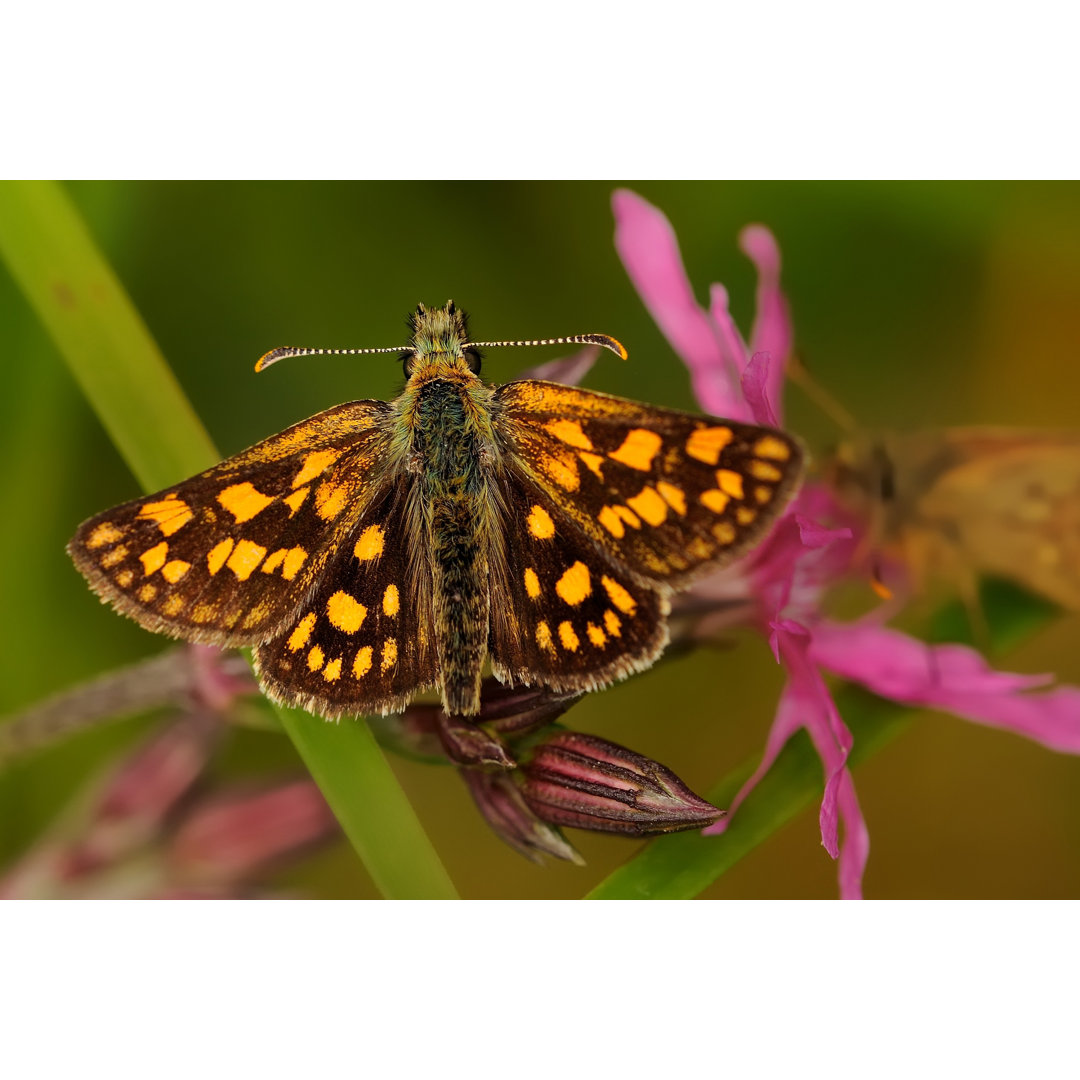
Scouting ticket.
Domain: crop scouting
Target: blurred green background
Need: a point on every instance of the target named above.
(916, 304)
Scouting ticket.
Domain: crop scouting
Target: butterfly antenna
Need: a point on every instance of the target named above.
(821, 397)
(274, 355)
(578, 339)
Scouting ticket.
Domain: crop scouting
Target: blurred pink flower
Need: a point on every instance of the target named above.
(145, 830)
(781, 583)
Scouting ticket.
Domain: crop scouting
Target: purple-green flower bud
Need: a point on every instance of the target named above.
(503, 806)
(590, 783)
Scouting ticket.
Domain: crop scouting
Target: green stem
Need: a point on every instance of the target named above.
(111, 354)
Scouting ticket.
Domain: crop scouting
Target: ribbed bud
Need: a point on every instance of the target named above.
(500, 801)
(590, 783)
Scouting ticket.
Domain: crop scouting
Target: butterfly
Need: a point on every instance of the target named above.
(956, 502)
(382, 548)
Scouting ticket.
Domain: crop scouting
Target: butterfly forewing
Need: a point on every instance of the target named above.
(227, 556)
(361, 643)
(667, 494)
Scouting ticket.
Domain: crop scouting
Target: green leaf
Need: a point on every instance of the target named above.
(111, 354)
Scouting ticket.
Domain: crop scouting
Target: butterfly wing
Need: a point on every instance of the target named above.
(228, 556)
(608, 505)
(1005, 501)
(668, 494)
(361, 642)
(563, 613)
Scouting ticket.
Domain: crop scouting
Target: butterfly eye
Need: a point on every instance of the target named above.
(472, 358)
(408, 362)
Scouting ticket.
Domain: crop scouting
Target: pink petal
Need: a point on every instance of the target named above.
(649, 250)
(953, 678)
(755, 389)
(569, 370)
(806, 702)
(772, 331)
(856, 847)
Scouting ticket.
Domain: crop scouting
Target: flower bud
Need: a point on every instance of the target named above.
(590, 783)
(500, 801)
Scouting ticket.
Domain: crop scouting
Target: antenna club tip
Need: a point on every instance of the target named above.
(268, 358)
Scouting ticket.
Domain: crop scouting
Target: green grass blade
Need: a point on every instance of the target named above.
(111, 354)
(679, 867)
(108, 349)
(345, 760)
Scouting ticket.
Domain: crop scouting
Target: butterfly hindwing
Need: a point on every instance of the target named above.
(564, 614)
(361, 642)
(226, 557)
(668, 494)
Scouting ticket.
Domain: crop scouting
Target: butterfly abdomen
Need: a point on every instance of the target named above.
(454, 489)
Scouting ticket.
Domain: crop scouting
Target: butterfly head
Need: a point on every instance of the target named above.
(440, 341)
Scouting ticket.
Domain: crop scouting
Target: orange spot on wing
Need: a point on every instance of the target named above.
(638, 449)
(569, 432)
(567, 638)
(370, 544)
(244, 501)
(730, 483)
(769, 446)
(215, 560)
(673, 496)
(332, 671)
(649, 505)
(105, 533)
(389, 654)
(169, 513)
(596, 635)
(612, 522)
(345, 612)
(391, 602)
(296, 500)
(540, 524)
(294, 559)
(313, 464)
(595, 464)
(543, 637)
(619, 596)
(155, 558)
(532, 583)
(245, 557)
(362, 663)
(173, 571)
(715, 500)
(315, 658)
(762, 470)
(705, 444)
(575, 584)
(330, 500)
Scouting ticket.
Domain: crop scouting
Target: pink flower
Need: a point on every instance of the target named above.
(146, 829)
(779, 586)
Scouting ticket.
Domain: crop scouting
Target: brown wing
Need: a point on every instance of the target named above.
(667, 494)
(361, 642)
(563, 613)
(228, 556)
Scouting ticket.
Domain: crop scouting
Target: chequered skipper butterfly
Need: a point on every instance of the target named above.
(381, 548)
